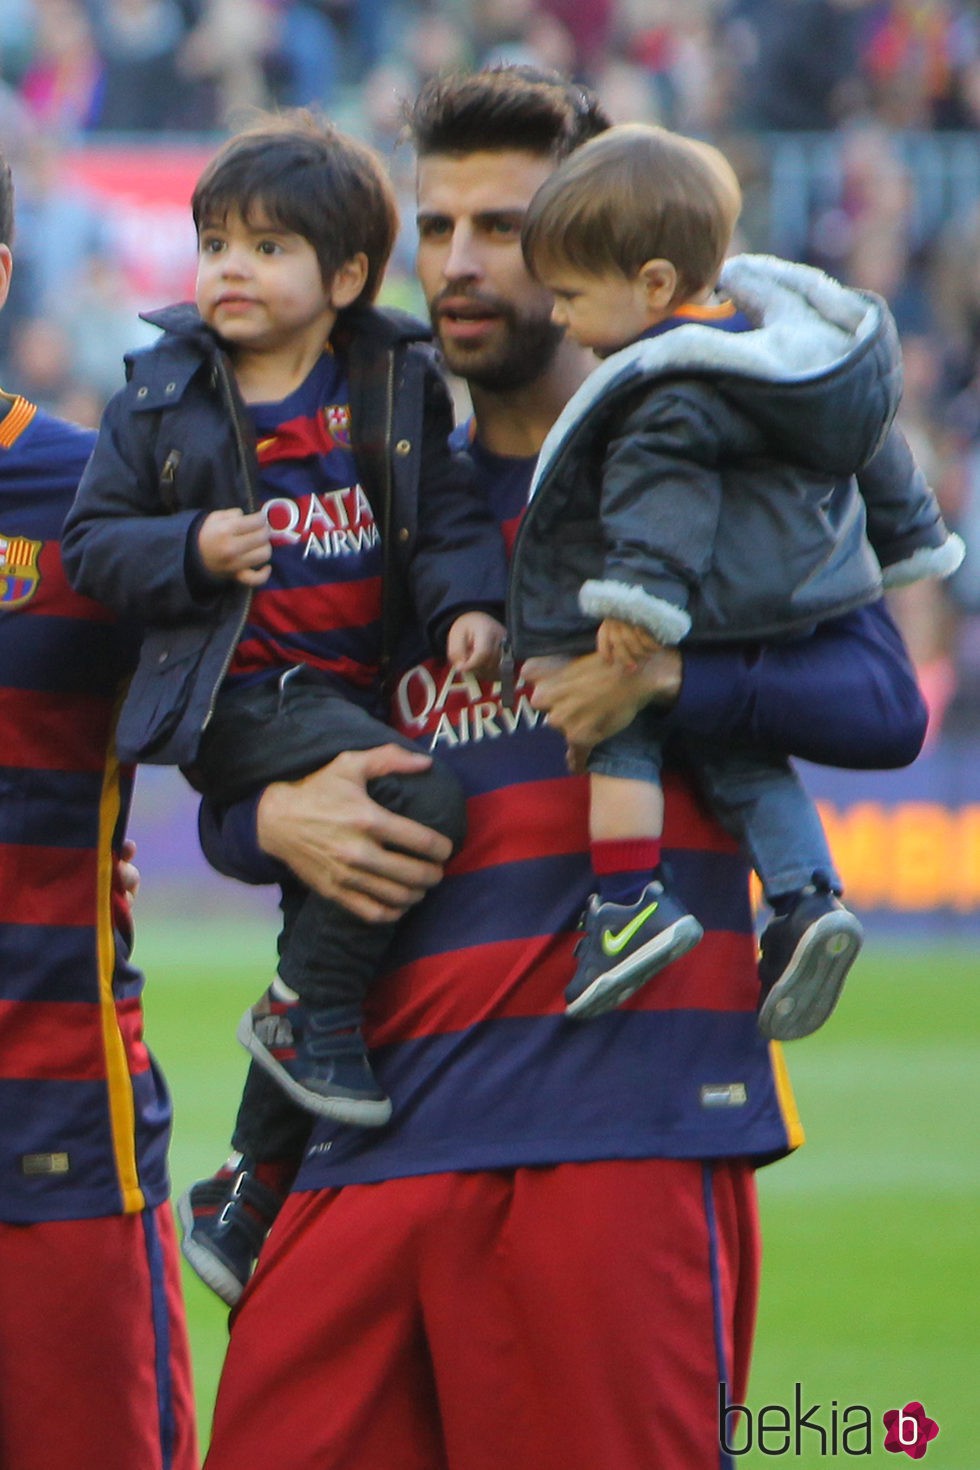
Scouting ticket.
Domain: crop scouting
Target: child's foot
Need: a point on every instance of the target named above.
(319, 1059)
(624, 945)
(805, 956)
(225, 1219)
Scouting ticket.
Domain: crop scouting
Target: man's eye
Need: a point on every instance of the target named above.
(432, 229)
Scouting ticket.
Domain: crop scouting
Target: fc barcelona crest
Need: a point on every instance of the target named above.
(19, 574)
(337, 416)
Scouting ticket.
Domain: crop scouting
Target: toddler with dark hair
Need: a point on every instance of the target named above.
(267, 489)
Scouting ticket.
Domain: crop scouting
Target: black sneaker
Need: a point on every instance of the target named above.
(624, 945)
(319, 1059)
(805, 956)
(225, 1219)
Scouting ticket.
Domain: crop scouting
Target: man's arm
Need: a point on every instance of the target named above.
(328, 832)
(845, 696)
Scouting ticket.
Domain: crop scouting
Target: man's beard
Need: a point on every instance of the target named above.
(524, 352)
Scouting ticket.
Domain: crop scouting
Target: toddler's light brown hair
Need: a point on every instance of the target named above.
(636, 193)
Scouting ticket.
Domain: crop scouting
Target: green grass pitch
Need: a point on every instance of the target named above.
(870, 1231)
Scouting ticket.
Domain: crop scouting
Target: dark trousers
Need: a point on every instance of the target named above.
(280, 730)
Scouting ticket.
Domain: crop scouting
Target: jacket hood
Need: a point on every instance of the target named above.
(827, 355)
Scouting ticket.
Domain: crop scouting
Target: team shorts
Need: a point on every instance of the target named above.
(94, 1362)
(562, 1318)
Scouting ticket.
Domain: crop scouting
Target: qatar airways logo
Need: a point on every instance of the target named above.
(454, 708)
(337, 523)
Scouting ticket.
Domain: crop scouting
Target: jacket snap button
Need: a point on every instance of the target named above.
(403, 447)
(162, 657)
(142, 392)
(171, 388)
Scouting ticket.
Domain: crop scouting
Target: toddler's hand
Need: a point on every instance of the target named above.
(624, 643)
(474, 643)
(236, 546)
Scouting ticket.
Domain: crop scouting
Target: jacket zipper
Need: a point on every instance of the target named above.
(168, 480)
(515, 561)
(387, 544)
(230, 395)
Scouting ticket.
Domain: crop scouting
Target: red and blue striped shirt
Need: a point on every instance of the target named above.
(84, 1114)
(467, 1027)
(322, 603)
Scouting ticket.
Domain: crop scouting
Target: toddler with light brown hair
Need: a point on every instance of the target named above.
(730, 472)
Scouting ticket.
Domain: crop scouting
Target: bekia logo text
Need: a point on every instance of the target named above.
(818, 1429)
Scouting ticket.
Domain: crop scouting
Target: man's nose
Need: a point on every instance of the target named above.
(462, 260)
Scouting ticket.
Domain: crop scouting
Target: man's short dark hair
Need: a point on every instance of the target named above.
(6, 203)
(312, 179)
(503, 108)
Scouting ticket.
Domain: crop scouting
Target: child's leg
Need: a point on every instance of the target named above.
(633, 927)
(281, 730)
(330, 956)
(812, 940)
(626, 814)
(328, 959)
(626, 819)
(226, 1217)
(270, 1129)
(762, 802)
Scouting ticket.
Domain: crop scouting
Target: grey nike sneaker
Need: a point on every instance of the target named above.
(805, 956)
(623, 946)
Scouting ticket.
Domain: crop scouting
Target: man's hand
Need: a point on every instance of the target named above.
(341, 843)
(236, 546)
(588, 699)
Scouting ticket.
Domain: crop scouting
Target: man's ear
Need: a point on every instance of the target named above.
(6, 270)
(660, 282)
(348, 281)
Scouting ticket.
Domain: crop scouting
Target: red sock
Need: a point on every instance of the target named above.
(277, 1174)
(624, 867)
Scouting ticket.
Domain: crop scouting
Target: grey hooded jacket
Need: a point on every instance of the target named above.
(710, 483)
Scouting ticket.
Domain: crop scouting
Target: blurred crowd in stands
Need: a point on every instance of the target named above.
(854, 126)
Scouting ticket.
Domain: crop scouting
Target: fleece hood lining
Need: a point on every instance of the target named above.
(808, 325)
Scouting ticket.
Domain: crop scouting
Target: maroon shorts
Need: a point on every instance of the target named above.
(558, 1318)
(94, 1364)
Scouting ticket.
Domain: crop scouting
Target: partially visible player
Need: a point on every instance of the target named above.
(94, 1361)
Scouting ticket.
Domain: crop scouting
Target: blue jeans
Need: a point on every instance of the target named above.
(758, 798)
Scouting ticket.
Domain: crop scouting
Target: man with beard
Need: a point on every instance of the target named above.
(550, 1258)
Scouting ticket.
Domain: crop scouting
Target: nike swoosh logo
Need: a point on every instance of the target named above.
(613, 944)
